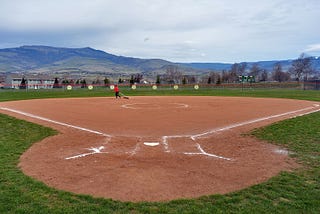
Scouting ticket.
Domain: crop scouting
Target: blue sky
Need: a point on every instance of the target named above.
(179, 30)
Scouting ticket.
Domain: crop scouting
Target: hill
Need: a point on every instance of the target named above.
(46, 59)
(267, 65)
(49, 60)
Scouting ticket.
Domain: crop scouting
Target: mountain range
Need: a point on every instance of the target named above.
(53, 60)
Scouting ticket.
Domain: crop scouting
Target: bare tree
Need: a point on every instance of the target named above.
(213, 77)
(277, 67)
(191, 79)
(224, 76)
(264, 75)
(278, 74)
(172, 74)
(235, 71)
(255, 71)
(301, 67)
(242, 68)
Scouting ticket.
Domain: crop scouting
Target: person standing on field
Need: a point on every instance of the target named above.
(117, 91)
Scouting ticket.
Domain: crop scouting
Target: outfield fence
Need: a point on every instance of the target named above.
(307, 85)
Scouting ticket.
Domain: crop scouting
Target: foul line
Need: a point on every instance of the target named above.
(193, 137)
(202, 152)
(55, 122)
(165, 138)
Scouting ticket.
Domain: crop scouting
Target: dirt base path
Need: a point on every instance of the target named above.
(154, 148)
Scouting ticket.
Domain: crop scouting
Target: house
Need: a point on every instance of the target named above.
(31, 81)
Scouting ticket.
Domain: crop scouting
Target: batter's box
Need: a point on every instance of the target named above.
(123, 145)
(112, 146)
(181, 145)
(188, 146)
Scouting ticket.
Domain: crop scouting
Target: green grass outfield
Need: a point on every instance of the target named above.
(289, 192)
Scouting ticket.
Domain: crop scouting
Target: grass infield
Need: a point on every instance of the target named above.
(289, 192)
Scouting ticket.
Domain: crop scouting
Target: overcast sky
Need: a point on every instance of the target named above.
(174, 30)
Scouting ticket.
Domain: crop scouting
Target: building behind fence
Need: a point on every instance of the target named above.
(31, 82)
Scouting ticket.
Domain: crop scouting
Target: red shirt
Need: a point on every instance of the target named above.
(116, 89)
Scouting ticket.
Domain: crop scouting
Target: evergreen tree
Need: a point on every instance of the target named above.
(23, 84)
(218, 80)
(158, 80)
(83, 83)
(56, 83)
(106, 81)
(132, 80)
(184, 80)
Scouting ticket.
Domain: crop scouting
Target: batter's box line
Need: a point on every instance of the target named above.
(94, 151)
(97, 150)
(201, 151)
(134, 151)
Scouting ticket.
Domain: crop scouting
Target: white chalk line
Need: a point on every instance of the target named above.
(131, 105)
(182, 105)
(96, 150)
(152, 144)
(202, 152)
(252, 121)
(135, 150)
(165, 138)
(56, 122)
(128, 106)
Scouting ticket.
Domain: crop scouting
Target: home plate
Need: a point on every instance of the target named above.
(151, 143)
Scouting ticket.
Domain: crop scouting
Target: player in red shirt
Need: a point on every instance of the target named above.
(117, 91)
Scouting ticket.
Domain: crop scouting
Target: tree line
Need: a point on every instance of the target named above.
(300, 69)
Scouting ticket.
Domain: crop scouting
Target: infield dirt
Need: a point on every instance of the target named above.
(199, 147)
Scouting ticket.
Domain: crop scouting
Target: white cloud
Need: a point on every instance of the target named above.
(180, 30)
(313, 48)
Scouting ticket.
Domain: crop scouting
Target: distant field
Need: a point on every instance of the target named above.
(289, 192)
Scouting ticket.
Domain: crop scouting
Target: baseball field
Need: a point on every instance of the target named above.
(161, 151)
